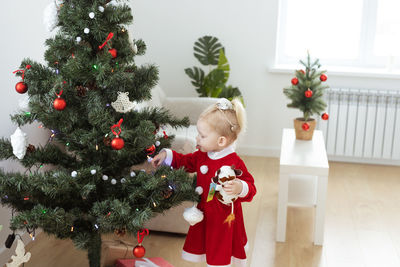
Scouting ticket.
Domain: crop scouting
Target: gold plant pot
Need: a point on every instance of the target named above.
(302, 134)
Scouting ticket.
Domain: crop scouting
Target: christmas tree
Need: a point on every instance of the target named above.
(86, 94)
(306, 91)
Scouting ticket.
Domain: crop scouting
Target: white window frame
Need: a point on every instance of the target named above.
(365, 60)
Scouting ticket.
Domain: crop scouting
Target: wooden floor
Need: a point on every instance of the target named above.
(362, 226)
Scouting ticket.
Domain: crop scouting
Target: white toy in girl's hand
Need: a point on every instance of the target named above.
(222, 176)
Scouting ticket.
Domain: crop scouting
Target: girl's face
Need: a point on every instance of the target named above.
(207, 138)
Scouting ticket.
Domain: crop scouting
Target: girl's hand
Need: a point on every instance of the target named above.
(233, 187)
(159, 159)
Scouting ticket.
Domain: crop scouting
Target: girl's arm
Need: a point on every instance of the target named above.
(249, 189)
(176, 160)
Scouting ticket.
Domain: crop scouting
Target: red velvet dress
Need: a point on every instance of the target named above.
(212, 239)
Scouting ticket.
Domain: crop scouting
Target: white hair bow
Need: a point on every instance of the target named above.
(224, 104)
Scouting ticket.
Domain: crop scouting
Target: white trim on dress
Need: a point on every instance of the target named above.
(202, 257)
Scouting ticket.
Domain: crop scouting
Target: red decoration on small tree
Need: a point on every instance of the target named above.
(308, 93)
(59, 103)
(305, 126)
(302, 71)
(295, 81)
(117, 143)
(139, 250)
(325, 116)
(323, 77)
(113, 52)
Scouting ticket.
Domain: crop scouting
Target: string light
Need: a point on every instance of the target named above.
(26, 198)
(72, 228)
(163, 176)
(67, 144)
(97, 147)
(44, 211)
(96, 226)
(32, 236)
(28, 114)
(154, 204)
(95, 67)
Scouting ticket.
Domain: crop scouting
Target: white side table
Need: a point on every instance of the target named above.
(303, 180)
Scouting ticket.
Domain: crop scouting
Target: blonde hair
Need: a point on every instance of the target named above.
(228, 122)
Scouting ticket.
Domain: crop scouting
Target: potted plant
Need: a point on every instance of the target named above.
(210, 52)
(306, 93)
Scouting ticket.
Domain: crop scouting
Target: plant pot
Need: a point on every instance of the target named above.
(302, 134)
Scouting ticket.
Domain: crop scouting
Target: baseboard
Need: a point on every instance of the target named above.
(273, 152)
(364, 160)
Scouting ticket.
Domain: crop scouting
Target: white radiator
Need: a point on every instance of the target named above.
(363, 125)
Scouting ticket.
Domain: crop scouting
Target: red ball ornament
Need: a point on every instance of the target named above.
(113, 52)
(308, 93)
(117, 143)
(139, 251)
(295, 81)
(151, 149)
(59, 103)
(305, 126)
(21, 87)
(325, 116)
(323, 77)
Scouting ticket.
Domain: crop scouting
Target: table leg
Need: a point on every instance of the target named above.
(320, 210)
(282, 207)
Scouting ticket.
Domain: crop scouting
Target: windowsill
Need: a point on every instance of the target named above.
(343, 71)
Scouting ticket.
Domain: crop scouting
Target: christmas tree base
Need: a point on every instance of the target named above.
(302, 134)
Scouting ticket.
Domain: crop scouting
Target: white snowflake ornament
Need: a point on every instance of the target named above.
(91, 15)
(19, 143)
(86, 30)
(122, 104)
(78, 39)
(105, 177)
(20, 256)
(93, 171)
(113, 181)
(101, 9)
(74, 174)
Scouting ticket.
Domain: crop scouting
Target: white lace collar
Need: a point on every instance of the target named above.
(224, 152)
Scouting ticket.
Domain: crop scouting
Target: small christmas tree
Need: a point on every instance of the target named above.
(87, 93)
(306, 92)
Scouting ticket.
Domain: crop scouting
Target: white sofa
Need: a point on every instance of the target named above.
(184, 142)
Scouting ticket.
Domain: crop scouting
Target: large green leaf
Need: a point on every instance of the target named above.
(214, 83)
(206, 50)
(197, 76)
(230, 92)
(223, 64)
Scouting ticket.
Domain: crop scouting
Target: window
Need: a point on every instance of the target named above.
(356, 33)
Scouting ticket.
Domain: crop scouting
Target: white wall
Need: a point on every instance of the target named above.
(22, 35)
(247, 29)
